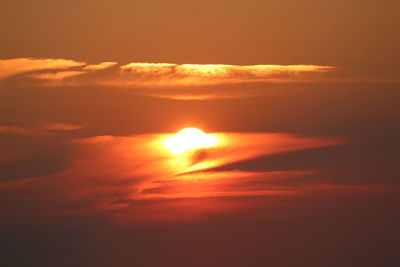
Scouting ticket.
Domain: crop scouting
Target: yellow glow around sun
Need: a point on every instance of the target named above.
(188, 139)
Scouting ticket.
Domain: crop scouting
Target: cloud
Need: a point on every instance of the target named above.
(162, 80)
(149, 69)
(59, 126)
(175, 81)
(232, 183)
(100, 66)
(44, 129)
(115, 173)
(136, 179)
(56, 76)
(11, 67)
(167, 74)
(233, 147)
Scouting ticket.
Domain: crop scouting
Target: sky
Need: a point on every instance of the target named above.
(295, 162)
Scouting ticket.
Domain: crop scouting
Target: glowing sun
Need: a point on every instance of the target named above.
(189, 139)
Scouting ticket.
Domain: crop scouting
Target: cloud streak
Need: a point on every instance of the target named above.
(135, 178)
(56, 76)
(164, 80)
(115, 173)
(11, 67)
(100, 66)
(174, 81)
(44, 129)
(166, 74)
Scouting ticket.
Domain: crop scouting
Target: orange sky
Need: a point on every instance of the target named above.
(360, 35)
(301, 98)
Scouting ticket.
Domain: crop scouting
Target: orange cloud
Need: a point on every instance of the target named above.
(61, 126)
(56, 76)
(186, 174)
(220, 184)
(39, 130)
(11, 67)
(100, 66)
(208, 81)
(165, 80)
(136, 178)
(263, 71)
(211, 71)
(149, 68)
(109, 172)
(168, 74)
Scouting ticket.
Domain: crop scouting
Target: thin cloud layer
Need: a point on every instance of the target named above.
(109, 173)
(11, 67)
(56, 76)
(43, 129)
(162, 80)
(60, 126)
(166, 74)
(100, 66)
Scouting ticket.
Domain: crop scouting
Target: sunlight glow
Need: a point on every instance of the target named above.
(189, 139)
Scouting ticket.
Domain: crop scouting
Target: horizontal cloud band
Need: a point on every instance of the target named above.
(155, 79)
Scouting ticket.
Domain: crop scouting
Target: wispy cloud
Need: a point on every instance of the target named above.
(166, 74)
(100, 66)
(149, 69)
(11, 67)
(56, 76)
(112, 173)
(176, 81)
(43, 129)
(135, 178)
(163, 80)
(60, 126)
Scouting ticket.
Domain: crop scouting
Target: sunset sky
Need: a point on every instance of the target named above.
(186, 133)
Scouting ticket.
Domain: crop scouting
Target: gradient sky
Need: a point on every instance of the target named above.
(301, 96)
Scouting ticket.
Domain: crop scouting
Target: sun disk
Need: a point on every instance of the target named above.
(189, 139)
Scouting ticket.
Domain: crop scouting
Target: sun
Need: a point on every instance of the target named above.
(189, 139)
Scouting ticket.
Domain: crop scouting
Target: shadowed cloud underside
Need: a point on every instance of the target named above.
(108, 173)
